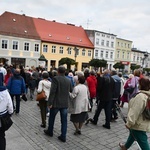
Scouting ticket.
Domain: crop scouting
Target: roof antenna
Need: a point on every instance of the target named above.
(88, 22)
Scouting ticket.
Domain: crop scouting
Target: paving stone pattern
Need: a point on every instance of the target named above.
(26, 133)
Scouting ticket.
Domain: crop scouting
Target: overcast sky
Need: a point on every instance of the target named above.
(128, 19)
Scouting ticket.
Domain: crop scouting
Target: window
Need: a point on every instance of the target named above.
(4, 44)
(106, 54)
(89, 53)
(137, 58)
(134, 58)
(128, 45)
(121, 44)
(118, 44)
(96, 53)
(128, 55)
(53, 49)
(102, 42)
(102, 53)
(97, 41)
(83, 52)
(36, 48)
(15, 45)
(125, 45)
(61, 50)
(26, 46)
(107, 44)
(103, 35)
(118, 54)
(111, 55)
(112, 44)
(108, 36)
(122, 54)
(112, 37)
(45, 48)
(69, 50)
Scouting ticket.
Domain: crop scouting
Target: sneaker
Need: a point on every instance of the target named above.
(61, 139)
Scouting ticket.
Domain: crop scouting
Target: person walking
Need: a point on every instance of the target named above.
(44, 85)
(92, 85)
(105, 88)
(137, 124)
(16, 87)
(5, 107)
(58, 101)
(80, 104)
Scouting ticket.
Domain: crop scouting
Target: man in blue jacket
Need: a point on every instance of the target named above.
(16, 87)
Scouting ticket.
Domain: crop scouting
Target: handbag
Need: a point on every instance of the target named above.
(40, 96)
(130, 90)
(6, 121)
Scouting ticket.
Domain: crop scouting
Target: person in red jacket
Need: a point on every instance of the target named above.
(92, 84)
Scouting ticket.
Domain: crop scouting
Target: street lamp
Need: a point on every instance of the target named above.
(75, 53)
(144, 58)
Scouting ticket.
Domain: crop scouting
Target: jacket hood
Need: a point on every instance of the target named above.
(116, 77)
(2, 93)
(2, 88)
(146, 92)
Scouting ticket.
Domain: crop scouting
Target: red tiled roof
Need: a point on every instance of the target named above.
(17, 25)
(62, 33)
(48, 31)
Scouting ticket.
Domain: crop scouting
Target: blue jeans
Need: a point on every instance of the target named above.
(63, 116)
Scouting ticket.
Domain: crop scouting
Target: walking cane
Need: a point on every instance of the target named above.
(124, 119)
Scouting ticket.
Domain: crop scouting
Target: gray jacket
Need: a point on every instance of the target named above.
(59, 93)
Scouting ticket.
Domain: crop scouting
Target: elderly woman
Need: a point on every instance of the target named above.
(136, 123)
(6, 106)
(79, 109)
(44, 85)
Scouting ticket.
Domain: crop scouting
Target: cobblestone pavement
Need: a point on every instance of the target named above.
(26, 133)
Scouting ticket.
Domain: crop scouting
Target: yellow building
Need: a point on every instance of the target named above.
(63, 40)
(123, 52)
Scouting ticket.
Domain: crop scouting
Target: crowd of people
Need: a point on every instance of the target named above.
(74, 92)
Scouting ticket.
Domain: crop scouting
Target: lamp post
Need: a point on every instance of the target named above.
(144, 58)
(75, 56)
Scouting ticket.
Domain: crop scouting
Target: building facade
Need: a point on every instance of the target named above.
(123, 52)
(19, 42)
(104, 46)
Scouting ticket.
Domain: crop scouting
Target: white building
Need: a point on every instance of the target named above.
(104, 46)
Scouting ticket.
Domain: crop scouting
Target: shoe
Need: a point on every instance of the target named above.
(122, 146)
(61, 139)
(105, 126)
(43, 125)
(47, 133)
(77, 132)
(88, 120)
(116, 117)
(93, 122)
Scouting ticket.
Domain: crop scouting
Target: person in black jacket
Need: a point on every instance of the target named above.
(105, 87)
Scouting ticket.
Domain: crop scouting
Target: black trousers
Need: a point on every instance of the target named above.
(2, 139)
(106, 105)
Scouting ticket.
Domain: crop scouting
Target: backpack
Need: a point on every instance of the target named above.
(146, 112)
(117, 89)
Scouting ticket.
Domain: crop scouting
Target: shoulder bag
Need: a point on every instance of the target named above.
(6, 121)
(41, 96)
